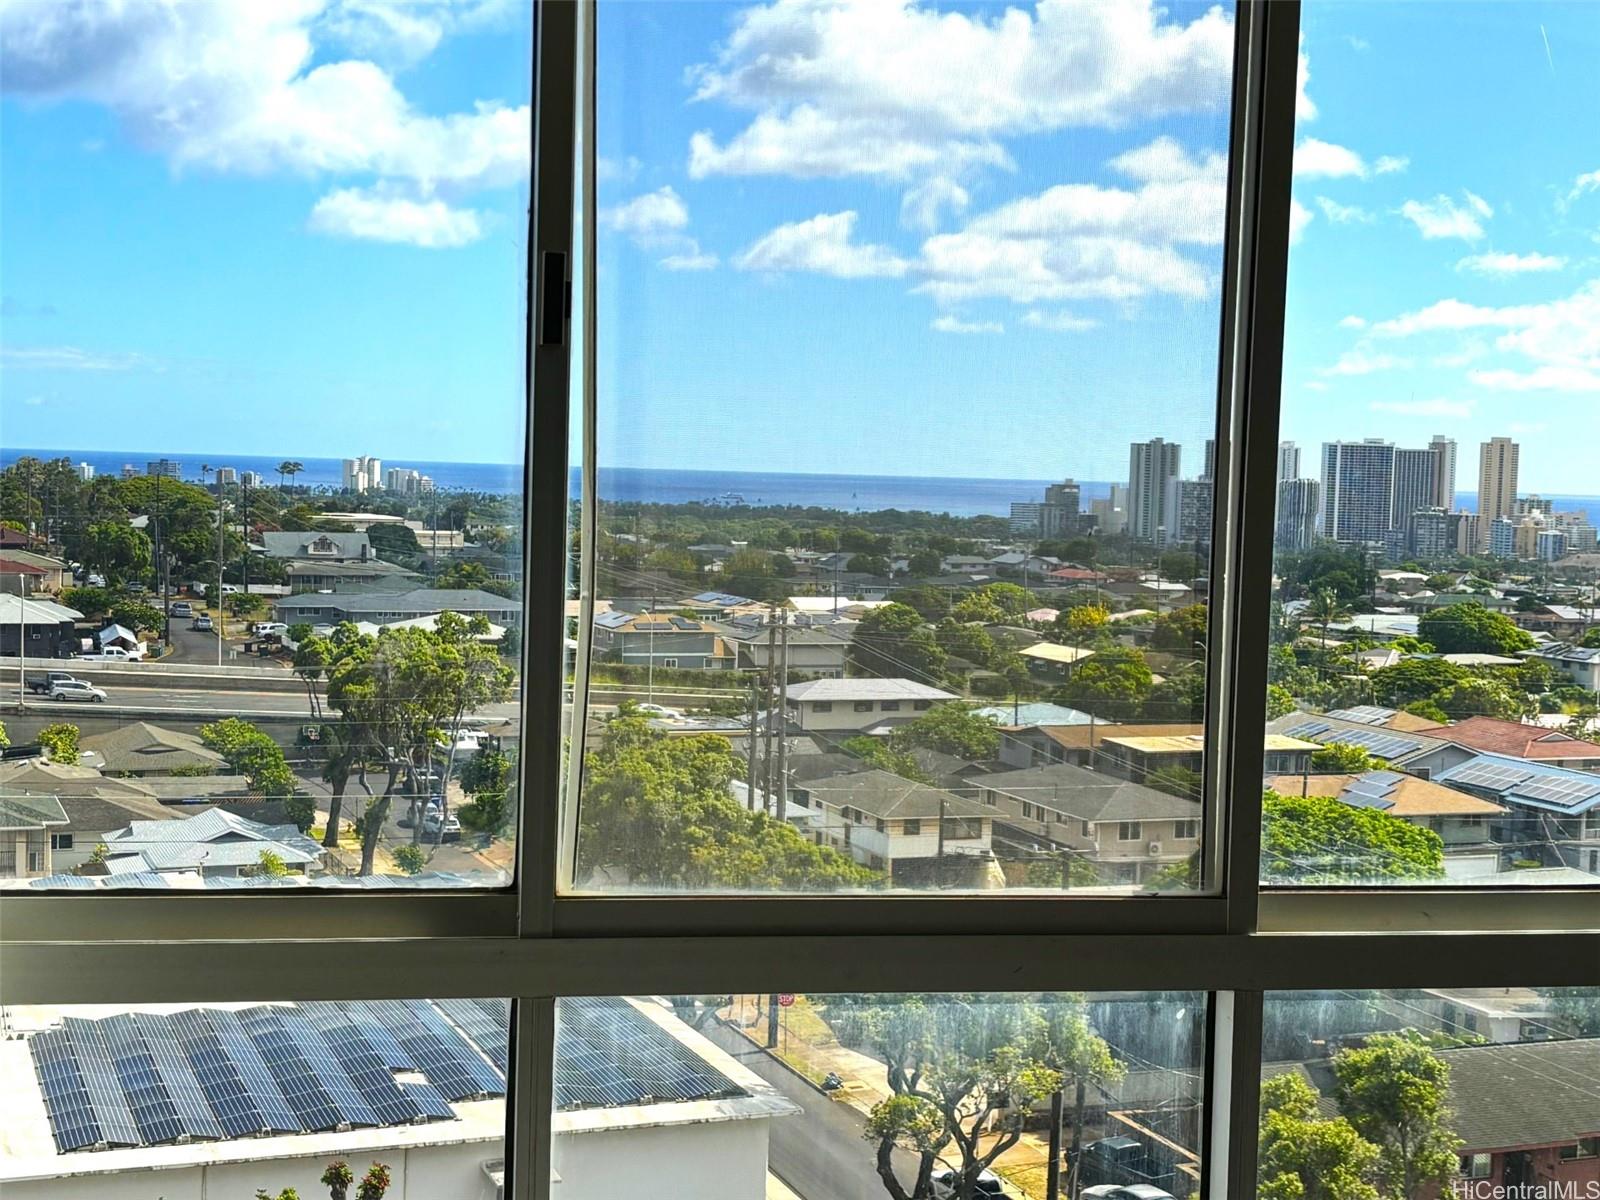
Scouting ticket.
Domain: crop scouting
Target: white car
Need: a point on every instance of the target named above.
(661, 712)
(431, 830)
(115, 654)
(944, 1184)
(1126, 1191)
(76, 689)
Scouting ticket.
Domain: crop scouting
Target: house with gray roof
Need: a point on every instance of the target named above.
(317, 545)
(27, 824)
(145, 749)
(381, 608)
(1133, 829)
(890, 823)
(216, 842)
(855, 705)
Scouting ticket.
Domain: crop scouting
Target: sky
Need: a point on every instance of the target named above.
(883, 237)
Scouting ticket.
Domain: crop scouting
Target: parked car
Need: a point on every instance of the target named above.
(944, 1183)
(1126, 1191)
(431, 827)
(181, 608)
(661, 712)
(267, 628)
(41, 683)
(76, 689)
(115, 654)
(202, 624)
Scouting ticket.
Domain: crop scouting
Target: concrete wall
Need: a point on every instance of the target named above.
(725, 1160)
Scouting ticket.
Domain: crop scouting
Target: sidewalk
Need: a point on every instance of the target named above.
(807, 1045)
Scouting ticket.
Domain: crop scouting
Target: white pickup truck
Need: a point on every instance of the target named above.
(114, 654)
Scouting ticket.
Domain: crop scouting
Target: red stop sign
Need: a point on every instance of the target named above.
(785, 999)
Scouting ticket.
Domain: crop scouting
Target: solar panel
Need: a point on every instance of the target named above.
(448, 1064)
(487, 1034)
(266, 1094)
(153, 1110)
(608, 1053)
(1365, 714)
(66, 1097)
(1308, 729)
(315, 1051)
(1384, 745)
(100, 1083)
(302, 1087)
(370, 1077)
(394, 1055)
(1491, 776)
(1558, 790)
(178, 1075)
(493, 1082)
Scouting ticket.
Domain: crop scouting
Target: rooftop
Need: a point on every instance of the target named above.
(215, 838)
(1393, 792)
(420, 601)
(1087, 737)
(1038, 712)
(1529, 784)
(19, 610)
(1088, 795)
(1326, 728)
(866, 689)
(146, 747)
(1191, 743)
(1520, 741)
(880, 794)
(1056, 653)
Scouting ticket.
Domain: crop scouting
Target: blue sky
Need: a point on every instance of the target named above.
(879, 238)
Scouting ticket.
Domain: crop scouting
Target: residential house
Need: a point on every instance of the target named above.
(642, 639)
(310, 574)
(1536, 743)
(1388, 718)
(1134, 756)
(1422, 754)
(1559, 621)
(93, 818)
(1554, 812)
(317, 546)
(1052, 658)
(896, 825)
(1076, 742)
(1499, 1014)
(1581, 664)
(27, 828)
(812, 649)
(856, 705)
(145, 749)
(1467, 824)
(382, 608)
(216, 842)
(37, 628)
(1080, 576)
(1022, 715)
(715, 606)
(24, 573)
(1132, 829)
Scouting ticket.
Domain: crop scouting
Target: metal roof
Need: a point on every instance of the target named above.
(866, 689)
(1530, 784)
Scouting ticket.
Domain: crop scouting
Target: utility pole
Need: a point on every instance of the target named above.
(772, 667)
(244, 525)
(1052, 1184)
(781, 802)
(221, 620)
(162, 570)
(750, 750)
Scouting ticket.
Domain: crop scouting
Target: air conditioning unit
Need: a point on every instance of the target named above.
(1155, 848)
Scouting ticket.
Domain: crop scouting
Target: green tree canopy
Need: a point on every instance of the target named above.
(1341, 758)
(1394, 1091)
(253, 754)
(1414, 679)
(1480, 696)
(892, 642)
(1313, 840)
(951, 729)
(1112, 685)
(1470, 628)
(1183, 629)
(1303, 1156)
(60, 741)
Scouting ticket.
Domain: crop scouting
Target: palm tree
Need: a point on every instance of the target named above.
(205, 475)
(291, 469)
(1325, 608)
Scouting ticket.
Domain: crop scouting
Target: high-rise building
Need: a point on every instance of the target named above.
(364, 474)
(227, 475)
(164, 466)
(1497, 482)
(1436, 533)
(1024, 517)
(1550, 544)
(425, 484)
(85, 471)
(1357, 490)
(1467, 533)
(1110, 513)
(129, 471)
(1444, 472)
(1502, 538)
(1288, 461)
(1526, 506)
(1059, 515)
(1211, 460)
(402, 481)
(250, 479)
(1581, 538)
(1297, 512)
(1188, 512)
(1415, 484)
(1150, 465)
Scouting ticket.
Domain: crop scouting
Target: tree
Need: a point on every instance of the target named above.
(253, 754)
(270, 865)
(289, 468)
(136, 615)
(486, 777)
(410, 859)
(246, 604)
(1069, 1045)
(1009, 598)
(868, 564)
(1280, 701)
(1394, 1092)
(5, 738)
(1324, 608)
(1341, 758)
(1182, 630)
(924, 563)
(886, 756)
(116, 550)
(977, 608)
(90, 601)
(1303, 1156)
(1181, 696)
(960, 1068)
(1081, 623)
(1312, 840)
(393, 541)
(969, 642)
(1176, 781)
(1480, 696)
(931, 602)
(951, 729)
(658, 811)
(1470, 628)
(1414, 679)
(1112, 685)
(1579, 1005)
(892, 642)
(1182, 566)
(60, 741)
(342, 750)
(312, 654)
(1591, 638)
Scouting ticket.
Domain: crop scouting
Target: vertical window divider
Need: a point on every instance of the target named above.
(1252, 362)
(1233, 1095)
(531, 1107)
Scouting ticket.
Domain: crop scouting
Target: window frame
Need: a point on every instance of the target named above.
(534, 944)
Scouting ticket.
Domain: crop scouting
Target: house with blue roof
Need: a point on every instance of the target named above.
(1553, 812)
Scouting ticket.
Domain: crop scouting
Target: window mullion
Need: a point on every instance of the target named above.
(532, 1097)
(1233, 1095)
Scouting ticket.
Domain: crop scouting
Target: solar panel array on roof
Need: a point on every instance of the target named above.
(1378, 742)
(1308, 729)
(100, 1082)
(303, 1084)
(66, 1096)
(238, 1087)
(608, 1054)
(614, 619)
(1491, 776)
(720, 599)
(451, 1063)
(1557, 790)
(483, 1030)
(1365, 714)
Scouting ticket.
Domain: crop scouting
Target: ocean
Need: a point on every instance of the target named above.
(959, 497)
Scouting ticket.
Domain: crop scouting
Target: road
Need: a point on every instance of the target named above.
(822, 1154)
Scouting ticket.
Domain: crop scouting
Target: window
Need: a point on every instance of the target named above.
(1186, 829)
(890, 706)
(657, 856)
(921, 705)
(1476, 1166)
(669, 662)
(863, 706)
(822, 706)
(882, 827)
(61, 841)
(1129, 831)
(1088, 829)
(912, 827)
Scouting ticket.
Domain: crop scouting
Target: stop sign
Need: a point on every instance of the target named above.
(785, 999)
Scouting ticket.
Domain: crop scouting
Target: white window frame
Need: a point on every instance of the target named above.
(534, 944)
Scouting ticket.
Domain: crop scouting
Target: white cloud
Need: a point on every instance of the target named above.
(1314, 159)
(34, 401)
(895, 89)
(1541, 379)
(821, 245)
(1343, 214)
(258, 89)
(1304, 108)
(1589, 181)
(1510, 264)
(1360, 362)
(1299, 217)
(922, 206)
(1442, 217)
(1059, 322)
(692, 260)
(1352, 322)
(649, 215)
(69, 358)
(378, 217)
(612, 170)
(950, 324)
(1390, 164)
(1461, 409)
(1316, 385)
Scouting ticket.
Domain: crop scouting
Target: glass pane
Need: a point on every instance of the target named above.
(1472, 1092)
(184, 1100)
(906, 379)
(797, 1097)
(263, 410)
(1435, 641)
